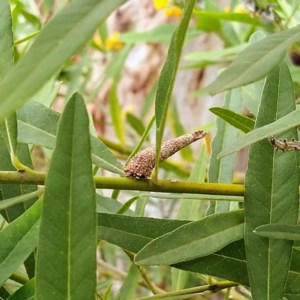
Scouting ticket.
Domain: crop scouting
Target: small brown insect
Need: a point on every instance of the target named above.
(284, 145)
(142, 164)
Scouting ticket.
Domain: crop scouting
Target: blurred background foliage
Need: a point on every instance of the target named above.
(117, 73)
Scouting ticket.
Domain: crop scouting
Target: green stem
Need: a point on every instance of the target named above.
(26, 38)
(196, 290)
(144, 275)
(19, 278)
(123, 183)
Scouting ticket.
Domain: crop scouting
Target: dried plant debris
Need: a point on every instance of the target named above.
(285, 145)
(142, 164)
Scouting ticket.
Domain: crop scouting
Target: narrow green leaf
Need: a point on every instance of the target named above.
(6, 45)
(66, 261)
(130, 284)
(26, 292)
(193, 240)
(135, 123)
(254, 62)
(109, 205)
(178, 130)
(37, 125)
(60, 39)
(283, 124)
(292, 285)
(217, 55)
(221, 170)
(190, 209)
(228, 263)
(159, 34)
(238, 121)
(4, 204)
(9, 191)
(279, 231)
(133, 233)
(214, 16)
(18, 240)
(167, 77)
(271, 192)
(116, 114)
(9, 128)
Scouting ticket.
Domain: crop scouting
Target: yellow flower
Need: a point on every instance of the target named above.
(174, 11)
(113, 42)
(98, 41)
(160, 4)
(227, 9)
(240, 9)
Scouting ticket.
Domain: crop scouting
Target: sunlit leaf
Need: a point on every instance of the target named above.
(256, 61)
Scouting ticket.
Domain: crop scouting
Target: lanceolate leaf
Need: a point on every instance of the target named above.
(116, 113)
(18, 240)
(132, 234)
(279, 231)
(238, 121)
(271, 193)
(26, 292)
(193, 240)
(37, 125)
(221, 170)
(167, 76)
(254, 62)
(60, 39)
(6, 45)
(283, 124)
(66, 262)
(19, 199)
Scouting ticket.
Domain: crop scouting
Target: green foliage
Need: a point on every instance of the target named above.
(64, 241)
(67, 247)
(186, 242)
(268, 190)
(167, 78)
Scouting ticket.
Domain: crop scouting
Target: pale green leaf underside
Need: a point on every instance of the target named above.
(283, 124)
(279, 231)
(133, 233)
(37, 125)
(256, 61)
(194, 240)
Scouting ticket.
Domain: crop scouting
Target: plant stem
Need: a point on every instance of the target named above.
(195, 290)
(123, 183)
(144, 275)
(115, 273)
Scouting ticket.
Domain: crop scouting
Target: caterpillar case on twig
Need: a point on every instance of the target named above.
(142, 164)
(285, 145)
